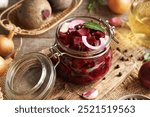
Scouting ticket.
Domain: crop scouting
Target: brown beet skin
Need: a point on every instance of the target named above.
(144, 75)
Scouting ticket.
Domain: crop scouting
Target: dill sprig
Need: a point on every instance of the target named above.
(92, 4)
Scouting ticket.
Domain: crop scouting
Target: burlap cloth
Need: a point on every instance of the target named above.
(137, 47)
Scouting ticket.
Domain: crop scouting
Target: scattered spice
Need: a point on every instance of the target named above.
(116, 67)
(124, 59)
(119, 74)
(118, 49)
(131, 56)
(141, 58)
(126, 88)
(127, 59)
(60, 98)
(125, 51)
(104, 78)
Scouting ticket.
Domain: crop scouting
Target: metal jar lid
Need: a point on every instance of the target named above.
(135, 97)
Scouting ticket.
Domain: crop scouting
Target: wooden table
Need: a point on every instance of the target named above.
(130, 84)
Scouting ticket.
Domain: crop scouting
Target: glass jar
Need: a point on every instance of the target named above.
(33, 75)
(83, 66)
(139, 19)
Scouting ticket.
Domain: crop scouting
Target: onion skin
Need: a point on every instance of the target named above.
(6, 44)
(119, 6)
(144, 75)
(3, 66)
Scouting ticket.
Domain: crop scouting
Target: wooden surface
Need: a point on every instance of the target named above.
(114, 88)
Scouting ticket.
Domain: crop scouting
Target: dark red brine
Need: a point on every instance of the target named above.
(87, 56)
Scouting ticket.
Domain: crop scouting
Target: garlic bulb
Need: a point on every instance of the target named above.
(4, 4)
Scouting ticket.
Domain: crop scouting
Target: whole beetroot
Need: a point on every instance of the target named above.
(144, 74)
(60, 5)
(34, 13)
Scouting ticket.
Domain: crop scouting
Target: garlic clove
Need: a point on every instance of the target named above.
(90, 94)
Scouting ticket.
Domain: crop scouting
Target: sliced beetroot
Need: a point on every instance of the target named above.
(83, 32)
(73, 37)
(63, 38)
(93, 41)
(77, 63)
(83, 47)
(77, 40)
(76, 43)
(100, 34)
(62, 35)
(89, 64)
(75, 23)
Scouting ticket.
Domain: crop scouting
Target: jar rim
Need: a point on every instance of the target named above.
(71, 51)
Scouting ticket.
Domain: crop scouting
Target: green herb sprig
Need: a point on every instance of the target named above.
(147, 56)
(92, 4)
(94, 26)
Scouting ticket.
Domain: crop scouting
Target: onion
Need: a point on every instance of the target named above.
(6, 44)
(4, 65)
(75, 22)
(119, 6)
(64, 27)
(103, 42)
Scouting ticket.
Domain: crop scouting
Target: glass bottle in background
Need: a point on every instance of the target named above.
(139, 19)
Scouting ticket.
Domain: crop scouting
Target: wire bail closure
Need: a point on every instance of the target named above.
(55, 53)
(111, 29)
